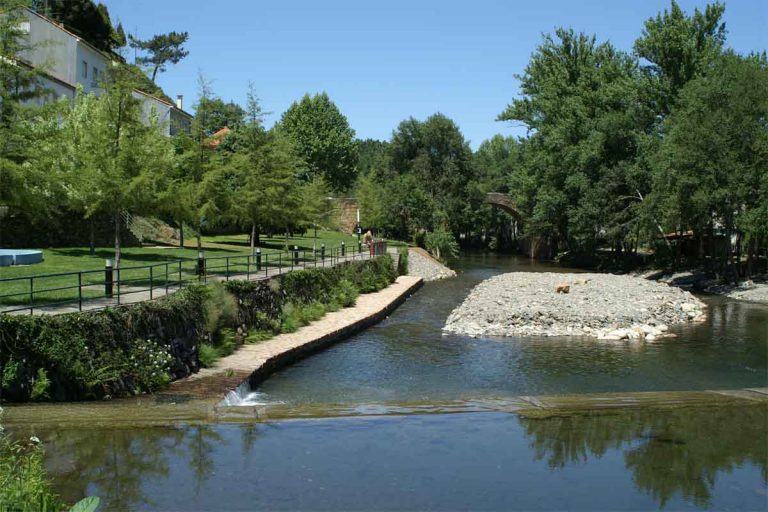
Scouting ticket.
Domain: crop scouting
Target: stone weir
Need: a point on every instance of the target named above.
(252, 364)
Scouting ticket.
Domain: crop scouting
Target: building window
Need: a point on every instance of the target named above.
(85, 69)
(95, 77)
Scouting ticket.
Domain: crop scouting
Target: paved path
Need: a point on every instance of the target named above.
(134, 294)
(256, 362)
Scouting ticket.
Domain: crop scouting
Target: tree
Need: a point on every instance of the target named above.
(22, 187)
(581, 103)
(678, 48)
(268, 192)
(436, 156)
(712, 164)
(87, 19)
(322, 136)
(110, 158)
(162, 49)
(218, 114)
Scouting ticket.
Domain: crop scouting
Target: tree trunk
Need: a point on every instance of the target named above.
(253, 238)
(91, 237)
(117, 239)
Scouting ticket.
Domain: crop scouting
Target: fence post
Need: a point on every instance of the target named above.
(167, 275)
(258, 259)
(79, 291)
(226, 260)
(296, 255)
(118, 285)
(266, 263)
(31, 295)
(109, 279)
(343, 249)
(180, 278)
(151, 281)
(322, 253)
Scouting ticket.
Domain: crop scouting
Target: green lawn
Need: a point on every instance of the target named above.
(49, 288)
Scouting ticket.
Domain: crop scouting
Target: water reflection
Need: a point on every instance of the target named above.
(692, 457)
(679, 451)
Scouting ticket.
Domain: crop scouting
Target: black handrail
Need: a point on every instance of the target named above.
(157, 276)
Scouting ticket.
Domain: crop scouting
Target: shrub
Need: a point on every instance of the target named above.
(402, 262)
(442, 245)
(207, 354)
(220, 307)
(40, 386)
(149, 364)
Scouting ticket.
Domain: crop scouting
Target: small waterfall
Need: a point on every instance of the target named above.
(244, 396)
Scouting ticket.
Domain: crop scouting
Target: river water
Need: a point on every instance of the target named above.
(681, 458)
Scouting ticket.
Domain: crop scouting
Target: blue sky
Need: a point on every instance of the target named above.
(382, 62)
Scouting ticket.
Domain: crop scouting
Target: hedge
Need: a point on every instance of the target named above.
(141, 347)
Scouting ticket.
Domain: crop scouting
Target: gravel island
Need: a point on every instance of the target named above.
(605, 306)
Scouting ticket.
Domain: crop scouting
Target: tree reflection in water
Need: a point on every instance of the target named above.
(679, 450)
(114, 464)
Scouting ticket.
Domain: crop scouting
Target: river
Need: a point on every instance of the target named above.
(678, 458)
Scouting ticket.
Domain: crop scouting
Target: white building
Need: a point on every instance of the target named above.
(69, 61)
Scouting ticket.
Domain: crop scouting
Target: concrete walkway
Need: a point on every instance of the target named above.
(125, 295)
(256, 362)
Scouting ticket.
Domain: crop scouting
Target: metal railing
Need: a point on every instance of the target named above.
(98, 289)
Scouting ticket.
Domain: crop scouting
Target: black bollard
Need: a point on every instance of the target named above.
(109, 279)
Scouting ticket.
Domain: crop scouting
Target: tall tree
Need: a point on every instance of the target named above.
(88, 19)
(323, 138)
(20, 184)
(580, 102)
(268, 190)
(678, 48)
(162, 49)
(219, 114)
(713, 161)
(110, 157)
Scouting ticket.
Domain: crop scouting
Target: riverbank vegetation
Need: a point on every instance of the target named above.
(662, 148)
(142, 347)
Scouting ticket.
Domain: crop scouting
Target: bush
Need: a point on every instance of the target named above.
(442, 245)
(402, 262)
(40, 386)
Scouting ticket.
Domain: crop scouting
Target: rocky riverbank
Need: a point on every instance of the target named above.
(421, 264)
(604, 306)
(752, 290)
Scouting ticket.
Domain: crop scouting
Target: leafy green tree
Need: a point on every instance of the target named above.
(711, 167)
(438, 158)
(162, 49)
(219, 114)
(110, 158)
(679, 48)
(267, 191)
(322, 136)
(88, 19)
(372, 155)
(494, 161)
(22, 187)
(581, 103)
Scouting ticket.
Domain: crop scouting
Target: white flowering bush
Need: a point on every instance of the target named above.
(149, 364)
